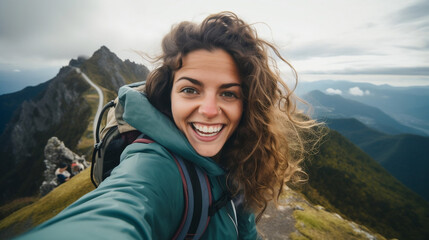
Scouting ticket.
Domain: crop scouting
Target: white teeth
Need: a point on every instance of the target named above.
(207, 134)
(207, 131)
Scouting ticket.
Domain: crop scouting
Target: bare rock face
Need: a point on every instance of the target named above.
(39, 115)
(55, 153)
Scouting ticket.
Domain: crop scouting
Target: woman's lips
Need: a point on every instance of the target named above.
(207, 132)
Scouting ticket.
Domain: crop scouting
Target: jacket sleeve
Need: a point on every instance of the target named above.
(142, 199)
(246, 224)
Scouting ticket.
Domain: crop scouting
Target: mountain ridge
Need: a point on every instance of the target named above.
(336, 106)
(408, 105)
(65, 104)
(405, 156)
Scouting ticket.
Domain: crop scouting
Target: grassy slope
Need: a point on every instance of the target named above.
(47, 207)
(86, 142)
(316, 223)
(297, 219)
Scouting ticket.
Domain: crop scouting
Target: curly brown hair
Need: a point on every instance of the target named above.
(265, 151)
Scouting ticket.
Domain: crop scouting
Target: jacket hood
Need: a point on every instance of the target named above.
(139, 113)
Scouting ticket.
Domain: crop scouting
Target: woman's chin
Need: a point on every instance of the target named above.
(207, 152)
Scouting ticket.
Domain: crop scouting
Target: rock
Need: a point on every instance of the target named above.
(361, 231)
(55, 153)
(318, 207)
(298, 208)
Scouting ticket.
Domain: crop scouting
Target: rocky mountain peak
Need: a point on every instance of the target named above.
(104, 54)
(113, 71)
(103, 49)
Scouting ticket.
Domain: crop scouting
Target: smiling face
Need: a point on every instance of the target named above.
(206, 99)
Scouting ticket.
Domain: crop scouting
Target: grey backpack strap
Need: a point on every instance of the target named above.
(198, 200)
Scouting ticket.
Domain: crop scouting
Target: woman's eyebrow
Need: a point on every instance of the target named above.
(228, 85)
(194, 81)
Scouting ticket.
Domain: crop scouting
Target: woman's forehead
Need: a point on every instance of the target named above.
(201, 58)
(203, 62)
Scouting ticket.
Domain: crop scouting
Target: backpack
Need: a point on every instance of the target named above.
(117, 135)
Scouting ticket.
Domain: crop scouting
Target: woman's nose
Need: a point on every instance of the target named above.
(209, 107)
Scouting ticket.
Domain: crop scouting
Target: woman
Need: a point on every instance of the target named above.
(217, 101)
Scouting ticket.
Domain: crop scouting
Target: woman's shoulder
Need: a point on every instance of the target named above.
(147, 152)
(147, 160)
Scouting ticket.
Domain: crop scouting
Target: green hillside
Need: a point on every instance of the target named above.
(342, 177)
(405, 156)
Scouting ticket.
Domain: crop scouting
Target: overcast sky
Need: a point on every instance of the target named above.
(378, 41)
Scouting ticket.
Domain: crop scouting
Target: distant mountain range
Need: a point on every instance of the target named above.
(336, 106)
(407, 105)
(342, 177)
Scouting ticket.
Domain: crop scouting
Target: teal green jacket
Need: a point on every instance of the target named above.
(143, 198)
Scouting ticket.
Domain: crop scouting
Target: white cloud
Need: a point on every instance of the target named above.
(309, 41)
(334, 91)
(356, 91)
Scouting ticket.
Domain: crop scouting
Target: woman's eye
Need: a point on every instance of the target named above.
(189, 90)
(229, 95)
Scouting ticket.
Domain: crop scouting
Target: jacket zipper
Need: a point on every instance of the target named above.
(235, 217)
(233, 208)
